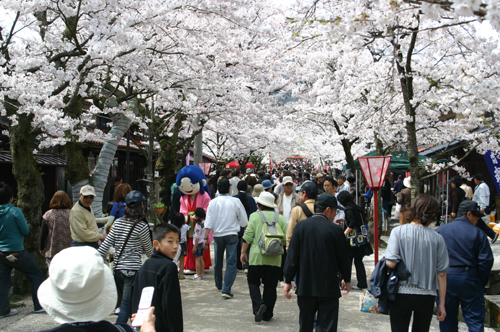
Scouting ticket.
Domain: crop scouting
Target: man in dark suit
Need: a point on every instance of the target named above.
(317, 253)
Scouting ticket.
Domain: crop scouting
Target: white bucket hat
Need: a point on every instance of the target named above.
(267, 199)
(80, 287)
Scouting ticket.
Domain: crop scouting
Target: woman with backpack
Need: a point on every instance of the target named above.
(355, 230)
(267, 229)
(130, 236)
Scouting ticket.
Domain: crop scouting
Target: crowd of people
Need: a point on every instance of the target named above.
(293, 226)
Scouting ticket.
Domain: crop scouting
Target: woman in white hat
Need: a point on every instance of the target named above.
(80, 293)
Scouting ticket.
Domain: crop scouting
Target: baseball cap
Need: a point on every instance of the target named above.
(87, 190)
(287, 179)
(319, 175)
(134, 198)
(249, 170)
(471, 206)
(328, 200)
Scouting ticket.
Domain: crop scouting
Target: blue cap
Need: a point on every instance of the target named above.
(134, 198)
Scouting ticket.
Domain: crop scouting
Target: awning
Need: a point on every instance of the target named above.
(399, 161)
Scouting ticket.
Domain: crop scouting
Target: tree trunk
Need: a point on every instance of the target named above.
(406, 81)
(30, 195)
(78, 168)
(166, 165)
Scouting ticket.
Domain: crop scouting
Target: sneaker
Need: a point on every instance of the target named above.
(117, 311)
(227, 296)
(259, 315)
(196, 277)
(495, 238)
(246, 272)
(203, 276)
(40, 311)
(11, 313)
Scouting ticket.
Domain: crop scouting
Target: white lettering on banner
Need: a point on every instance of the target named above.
(494, 159)
(497, 174)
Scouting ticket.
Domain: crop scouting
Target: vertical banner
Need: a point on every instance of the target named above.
(494, 167)
(205, 167)
(188, 157)
(270, 163)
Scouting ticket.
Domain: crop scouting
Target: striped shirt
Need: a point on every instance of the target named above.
(138, 243)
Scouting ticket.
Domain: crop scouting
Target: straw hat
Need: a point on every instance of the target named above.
(267, 199)
(80, 288)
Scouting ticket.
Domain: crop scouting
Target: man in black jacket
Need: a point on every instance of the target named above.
(160, 272)
(317, 253)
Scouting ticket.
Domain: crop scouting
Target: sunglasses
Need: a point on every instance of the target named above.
(89, 196)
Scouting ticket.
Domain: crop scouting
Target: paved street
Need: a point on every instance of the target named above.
(205, 310)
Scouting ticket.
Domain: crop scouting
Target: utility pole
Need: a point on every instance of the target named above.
(198, 145)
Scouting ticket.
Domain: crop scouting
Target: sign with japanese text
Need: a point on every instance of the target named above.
(494, 167)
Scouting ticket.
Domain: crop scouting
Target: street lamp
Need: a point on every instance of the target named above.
(375, 169)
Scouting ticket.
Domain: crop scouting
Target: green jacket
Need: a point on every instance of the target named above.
(254, 229)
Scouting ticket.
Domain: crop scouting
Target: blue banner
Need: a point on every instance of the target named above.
(494, 167)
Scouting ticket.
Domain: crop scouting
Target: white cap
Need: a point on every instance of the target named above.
(87, 190)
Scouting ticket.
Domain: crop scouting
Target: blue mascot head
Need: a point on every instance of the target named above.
(192, 180)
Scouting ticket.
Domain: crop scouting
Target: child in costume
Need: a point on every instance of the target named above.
(194, 193)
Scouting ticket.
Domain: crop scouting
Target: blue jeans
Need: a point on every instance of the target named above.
(26, 264)
(229, 244)
(124, 281)
(465, 290)
(83, 244)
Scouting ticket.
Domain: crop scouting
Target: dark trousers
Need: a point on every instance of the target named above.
(422, 307)
(464, 290)
(239, 265)
(327, 309)
(26, 264)
(268, 275)
(482, 225)
(360, 271)
(283, 260)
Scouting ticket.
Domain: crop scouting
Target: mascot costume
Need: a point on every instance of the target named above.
(194, 191)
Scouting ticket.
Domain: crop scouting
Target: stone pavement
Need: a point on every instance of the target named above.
(205, 310)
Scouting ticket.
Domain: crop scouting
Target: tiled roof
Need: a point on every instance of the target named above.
(42, 159)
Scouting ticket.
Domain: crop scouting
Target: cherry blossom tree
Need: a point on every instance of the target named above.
(417, 64)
